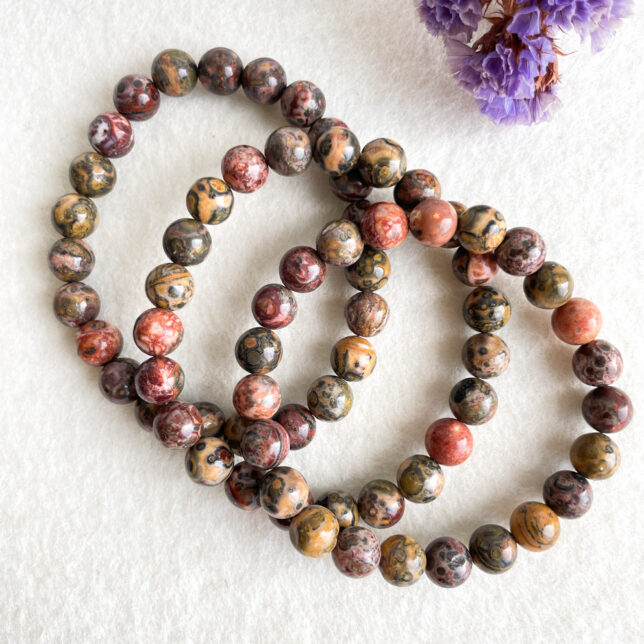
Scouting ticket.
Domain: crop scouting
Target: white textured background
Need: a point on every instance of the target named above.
(104, 538)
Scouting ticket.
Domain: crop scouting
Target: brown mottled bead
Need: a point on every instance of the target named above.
(258, 350)
(449, 562)
(355, 211)
(136, 97)
(415, 186)
(257, 397)
(265, 444)
(357, 552)
(595, 456)
(366, 314)
(403, 561)
(460, 209)
(371, 272)
(486, 309)
(98, 342)
(384, 225)
(299, 424)
(382, 163)
(433, 222)
(420, 479)
(243, 486)
(485, 355)
(342, 505)
(569, 494)
(159, 380)
(481, 229)
(263, 81)
(186, 242)
(320, 127)
(607, 409)
(274, 306)
(76, 303)
(534, 526)
(493, 549)
(174, 72)
(522, 252)
(233, 431)
(314, 531)
(288, 151)
(92, 174)
(209, 461)
(169, 286)
(71, 260)
(329, 398)
(74, 216)
(349, 186)
(117, 381)
(339, 243)
(578, 321)
(473, 401)
(353, 358)
(220, 71)
(177, 425)
(212, 418)
(210, 200)
(244, 168)
(144, 413)
(284, 492)
(549, 287)
(473, 269)
(302, 270)
(302, 103)
(337, 150)
(381, 504)
(597, 363)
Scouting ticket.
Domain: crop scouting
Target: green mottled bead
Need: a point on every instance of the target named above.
(187, 242)
(92, 174)
(329, 398)
(481, 229)
(550, 287)
(420, 478)
(174, 72)
(343, 506)
(74, 216)
(370, 272)
(258, 350)
(486, 309)
(493, 549)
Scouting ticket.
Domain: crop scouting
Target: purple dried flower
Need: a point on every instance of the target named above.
(454, 18)
(526, 22)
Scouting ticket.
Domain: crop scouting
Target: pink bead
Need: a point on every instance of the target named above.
(159, 380)
(433, 222)
(158, 332)
(98, 342)
(111, 135)
(257, 397)
(578, 321)
(244, 168)
(449, 441)
(177, 425)
(384, 225)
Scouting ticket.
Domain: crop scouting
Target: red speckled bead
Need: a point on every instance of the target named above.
(302, 269)
(449, 441)
(355, 211)
(357, 552)
(98, 342)
(522, 252)
(244, 168)
(349, 186)
(136, 97)
(265, 444)
(177, 424)
(243, 486)
(433, 222)
(415, 186)
(274, 306)
(220, 71)
(159, 380)
(384, 225)
(257, 397)
(144, 412)
(607, 409)
(578, 321)
(117, 381)
(302, 103)
(299, 424)
(111, 135)
(158, 332)
(473, 269)
(597, 363)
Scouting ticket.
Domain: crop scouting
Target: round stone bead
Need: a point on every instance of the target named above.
(299, 424)
(274, 306)
(567, 493)
(349, 186)
(177, 425)
(433, 222)
(244, 168)
(414, 187)
(493, 549)
(473, 269)
(597, 363)
(285, 524)
(220, 71)
(186, 242)
(233, 431)
(158, 332)
(534, 526)
(342, 505)
(549, 287)
(381, 504)
(263, 81)
(486, 309)
(159, 380)
(243, 486)
(288, 151)
(212, 419)
(302, 103)
(169, 286)
(117, 381)
(355, 211)
(76, 303)
(337, 150)
(607, 409)
(473, 401)
(329, 398)
(258, 350)
(382, 163)
(144, 412)
(366, 313)
(210, 200)
(111, 135)
(449, 562)
(485, 355)
(283, 493)
(522, 252)
(340, 243)
(448, 441)
(371, 272)
(265, 444)
(257, 397)
(98, 342)
(74, 216)
(302, 270)
(209, 461)
(402, 561)
(481, 229)
(319, 127)
(314, 531)
(174, 72)
(595, 456)
(578, 321)
(136, 97)
(460, 209)
(71, 260)
(384, 225)
(357, 552)
(92, 174)
(420, 479)
(353, 358)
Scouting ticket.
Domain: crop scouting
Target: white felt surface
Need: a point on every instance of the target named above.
(104, 538)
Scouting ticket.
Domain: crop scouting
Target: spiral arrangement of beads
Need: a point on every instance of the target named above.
(263, 431)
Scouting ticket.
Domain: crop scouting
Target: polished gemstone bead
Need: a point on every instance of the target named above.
(263, 81)
(314, 531)
(257, 397)
(284, 492)
(210, 200)
(299, 424)
(71, 260)
(534, 526)
(265, 444)
(74, 216)
(569, 494)
(343, 506)
(209, 461)
(340, 243)
(158, 332)
(76, 303)
(607, 409)
(493, 549)
(186, 242)
(485, 355)
(486, 309)
(481, 229)
(522, 252)
(288, 151)
(578, 321)
(243, 485)
(274, 306)
(381, 503)
(302, 103)
(420, 479)
(384, 225)
(91, 174)
(220, 71)
(329, 398)
(353, 358)
(337, 150)
(244, 168)
(382, 163)
(302, 270)
(597, 363)
(174, 72)
(448, 441)
(177, 425)
(98, 342)
(549, 287)
(136, 97)
(349, 186)
(473, 401)
(595, 456)
(357, 552)
(433, 222)
(111, 135)
(159, 380)
(415, 186)
(169, 286)
(366, 313)
(258, 350)
(449, 562)
(473, 269)
(117, 381)
(402, 561)
(212, 418)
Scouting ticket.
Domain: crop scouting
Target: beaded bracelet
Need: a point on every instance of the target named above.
(282, 491)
